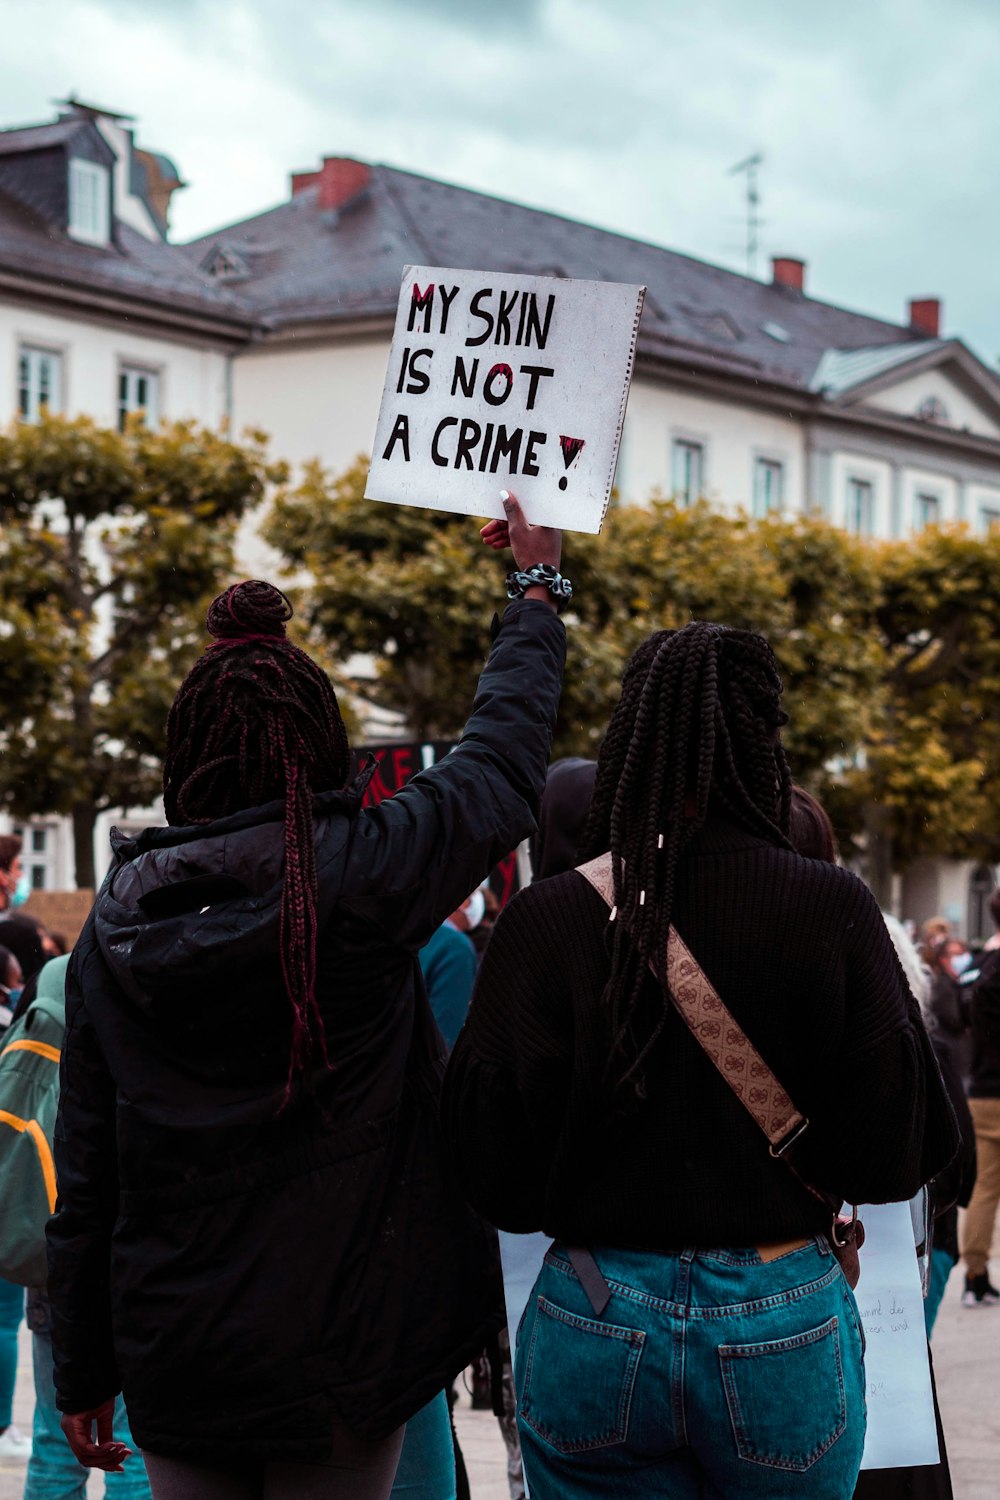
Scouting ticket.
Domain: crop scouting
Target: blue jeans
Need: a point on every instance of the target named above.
(11, 1313)
(427, 1463)
(709, 1374)
(942, 1265)
(53, 1472)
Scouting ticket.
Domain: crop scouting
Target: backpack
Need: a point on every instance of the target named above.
(29, 1100)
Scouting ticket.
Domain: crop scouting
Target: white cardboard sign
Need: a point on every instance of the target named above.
(498, 381)
(901, 1427)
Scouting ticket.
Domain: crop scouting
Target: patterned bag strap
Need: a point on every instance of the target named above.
(716, 1029)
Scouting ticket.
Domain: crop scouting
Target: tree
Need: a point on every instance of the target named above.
(414, 590)
(111, 544)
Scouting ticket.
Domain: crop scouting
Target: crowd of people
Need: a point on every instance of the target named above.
(684, 1051)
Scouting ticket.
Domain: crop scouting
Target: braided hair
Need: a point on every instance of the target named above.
(697, 726)
(256, 720)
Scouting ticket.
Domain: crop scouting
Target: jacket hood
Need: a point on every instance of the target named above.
(186, 913)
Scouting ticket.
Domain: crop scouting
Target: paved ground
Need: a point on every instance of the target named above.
(967, 1359)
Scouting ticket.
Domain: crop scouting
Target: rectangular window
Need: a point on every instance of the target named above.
(926, 511)
(860, 506)
(39, 382)
(89, 202)
(138, 390)
(989, 518)
(688, 471)
(39, 839)
(37, 877)
(768, 486)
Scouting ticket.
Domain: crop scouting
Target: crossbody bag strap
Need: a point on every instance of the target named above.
(716, 1030)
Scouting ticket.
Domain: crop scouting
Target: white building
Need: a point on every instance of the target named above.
(751, 394)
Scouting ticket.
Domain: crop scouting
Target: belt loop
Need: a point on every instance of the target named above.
(688, 1255)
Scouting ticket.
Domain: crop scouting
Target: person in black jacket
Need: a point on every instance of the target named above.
(984, 1103)
(690, 1331)
(257, 1238)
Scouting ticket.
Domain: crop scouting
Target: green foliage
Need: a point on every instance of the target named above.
(415, 590)
(111, 545)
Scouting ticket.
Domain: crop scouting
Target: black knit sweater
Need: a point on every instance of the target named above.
(800, 954)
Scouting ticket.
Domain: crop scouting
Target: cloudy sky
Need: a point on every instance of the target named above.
(878, 119)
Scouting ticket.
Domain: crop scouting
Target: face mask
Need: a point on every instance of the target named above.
(476, 909)
(961, 962)
(21, 891)
(13, 996)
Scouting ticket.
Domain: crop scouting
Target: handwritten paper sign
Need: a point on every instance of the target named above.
(901, 1426)
(505, 382)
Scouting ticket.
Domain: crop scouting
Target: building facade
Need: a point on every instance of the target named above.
(750, 394)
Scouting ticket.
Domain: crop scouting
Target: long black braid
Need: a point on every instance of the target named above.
(697, 726)
(256, 720)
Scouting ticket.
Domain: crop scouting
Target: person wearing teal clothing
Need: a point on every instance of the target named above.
(448, 963)
(53, 1472)
(427, 1463)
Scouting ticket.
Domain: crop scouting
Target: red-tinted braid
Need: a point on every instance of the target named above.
(256, 720)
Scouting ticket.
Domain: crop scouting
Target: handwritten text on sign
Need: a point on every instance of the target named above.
(498, 381)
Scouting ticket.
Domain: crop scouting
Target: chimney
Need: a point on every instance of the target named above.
(339, 180)
(788, 272)
(925, 315)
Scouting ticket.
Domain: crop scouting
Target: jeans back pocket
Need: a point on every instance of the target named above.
(786, 1398)
(579, 1376)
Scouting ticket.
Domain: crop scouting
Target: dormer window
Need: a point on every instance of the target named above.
(89, 202)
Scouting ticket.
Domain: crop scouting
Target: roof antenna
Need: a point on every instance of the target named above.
(751, 165)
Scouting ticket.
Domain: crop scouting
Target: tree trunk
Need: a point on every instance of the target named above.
(84, 818)
(878, 853)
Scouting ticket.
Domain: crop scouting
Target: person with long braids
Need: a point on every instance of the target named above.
(691, 1332)
(257, 1237)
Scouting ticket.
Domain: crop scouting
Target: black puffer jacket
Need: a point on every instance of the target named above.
(242, 1272)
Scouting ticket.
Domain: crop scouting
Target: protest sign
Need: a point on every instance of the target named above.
(901, 1427)
(505, 382)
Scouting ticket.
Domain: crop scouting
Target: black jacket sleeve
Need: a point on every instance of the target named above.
(79, 1233)
(415, 857)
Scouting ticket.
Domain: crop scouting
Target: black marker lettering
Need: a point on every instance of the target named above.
(535, 440)
(421, 301)
(508, 446)
(442, 463)
(419, 379)
(534, 374)
(503, 316)
(499, 372)
(469, 434)
(482, 295)
(447, 298)
(400, 434)
(464, 376)
(540, 330)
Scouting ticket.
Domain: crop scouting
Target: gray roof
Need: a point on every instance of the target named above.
(841, 370)
(39, 137)
(134, 267)
(304, 264)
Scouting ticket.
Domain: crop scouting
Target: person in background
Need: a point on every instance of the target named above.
(578, 1102)
(984, 1104)
(448, 962)
(10, 870)
(562, 821)
(21, 940)
(481, 935)
(53, 1472)
(946, 1003)
(11, 985)
(24, 940)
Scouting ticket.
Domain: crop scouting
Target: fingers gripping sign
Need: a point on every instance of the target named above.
(531, 545)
